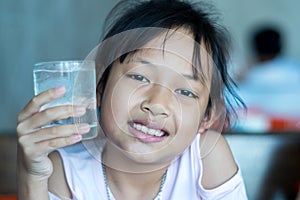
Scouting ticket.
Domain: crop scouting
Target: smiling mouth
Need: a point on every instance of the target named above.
(148, 131)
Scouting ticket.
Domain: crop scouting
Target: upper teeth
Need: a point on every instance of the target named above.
(147, 130)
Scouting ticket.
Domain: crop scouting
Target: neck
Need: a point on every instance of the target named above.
(130, 180)
(134, 186)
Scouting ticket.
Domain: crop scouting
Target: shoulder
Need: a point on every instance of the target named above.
(57, 182)
(217, 160)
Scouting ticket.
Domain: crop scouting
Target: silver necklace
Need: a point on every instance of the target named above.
(158, 196)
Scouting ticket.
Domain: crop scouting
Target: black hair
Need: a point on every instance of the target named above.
(267, 41)
(198, 18)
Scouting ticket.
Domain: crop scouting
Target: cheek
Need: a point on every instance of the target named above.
(190, 122)
(117, 102)
(192, 115)
(121, 96)
(188, 126)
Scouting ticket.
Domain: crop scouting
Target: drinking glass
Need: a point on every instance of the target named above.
(79, 79)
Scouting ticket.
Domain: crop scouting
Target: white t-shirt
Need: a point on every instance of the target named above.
(183, 181)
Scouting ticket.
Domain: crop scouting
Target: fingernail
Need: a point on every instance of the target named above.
(76, 138)
(60, 90)
(84, 128)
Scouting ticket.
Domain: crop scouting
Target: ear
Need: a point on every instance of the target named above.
(214, 118)
(205, 124)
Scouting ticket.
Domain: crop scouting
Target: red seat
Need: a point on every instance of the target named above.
(8, 197)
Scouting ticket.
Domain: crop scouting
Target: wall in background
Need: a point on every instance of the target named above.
(242, 17)
(33, 31)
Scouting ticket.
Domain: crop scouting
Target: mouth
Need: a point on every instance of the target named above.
(147, 132)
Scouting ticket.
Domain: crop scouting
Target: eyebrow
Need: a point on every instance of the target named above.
(146, 62)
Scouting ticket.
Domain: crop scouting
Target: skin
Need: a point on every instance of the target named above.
(156, 91)
(34, 144)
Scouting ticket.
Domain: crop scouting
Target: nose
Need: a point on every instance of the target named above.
(157, 102)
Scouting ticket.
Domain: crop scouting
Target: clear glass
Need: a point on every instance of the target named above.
(79, 79)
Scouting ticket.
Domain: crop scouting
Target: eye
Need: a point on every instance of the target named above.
(138, 77)
(186, 93)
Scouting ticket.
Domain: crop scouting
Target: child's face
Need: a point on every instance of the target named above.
(152, 107)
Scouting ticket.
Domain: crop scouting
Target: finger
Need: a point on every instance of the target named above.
(48, 116)
(38, 101)
(34, 151)
(58, 132)
(56, 143)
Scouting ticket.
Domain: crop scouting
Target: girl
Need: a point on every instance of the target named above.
(162, 80)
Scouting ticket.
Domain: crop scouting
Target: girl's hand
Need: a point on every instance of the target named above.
(34, 142)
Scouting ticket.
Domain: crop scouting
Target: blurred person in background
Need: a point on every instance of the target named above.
(271, 91)
(271, 87)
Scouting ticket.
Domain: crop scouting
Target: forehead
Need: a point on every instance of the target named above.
(178, 43)
(176, 49)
